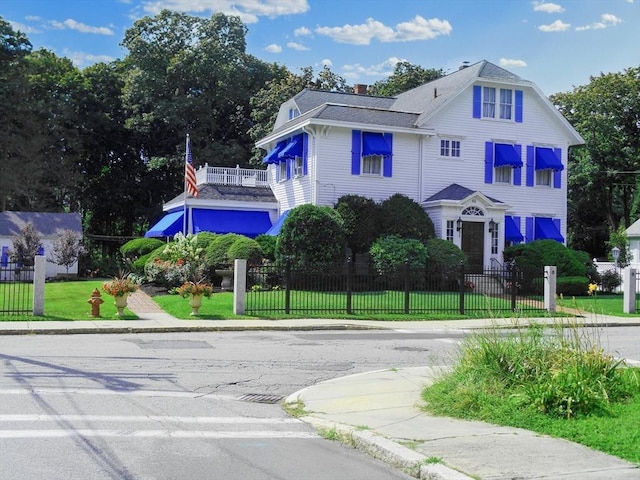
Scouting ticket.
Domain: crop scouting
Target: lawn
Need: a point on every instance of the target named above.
(598, 304)
(68, 301)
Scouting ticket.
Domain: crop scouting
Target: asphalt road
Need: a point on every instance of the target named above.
(195, 405)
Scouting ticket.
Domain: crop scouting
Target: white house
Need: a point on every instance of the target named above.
(48, 225)
(482, 150)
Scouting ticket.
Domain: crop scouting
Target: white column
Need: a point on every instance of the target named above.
(239, 286)
(40, 272)
(550, 289)
(629, 290)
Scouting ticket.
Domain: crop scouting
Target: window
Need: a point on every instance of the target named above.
(449, 233)
(372, 164)
(503, 174)
(298, 167)
(283, 170)
(543, 178)
(293, 113)
(506, 104)
(450, 148)
(494, 241)
(489, 102)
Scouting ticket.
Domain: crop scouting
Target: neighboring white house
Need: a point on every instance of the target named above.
(49, 225)
(482, 150)
(633, 235)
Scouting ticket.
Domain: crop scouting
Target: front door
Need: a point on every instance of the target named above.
(473, 245)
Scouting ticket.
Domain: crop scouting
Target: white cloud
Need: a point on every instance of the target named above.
(326, 62)
(21, 27)
(510, 62)
(383, 69)
(80, 59)
(416, 29)
(273, 48)
(547, 7)
(606, 20)
(557, 26)
(297, 46)
(302, 32)
(249, 11)
(71, 24)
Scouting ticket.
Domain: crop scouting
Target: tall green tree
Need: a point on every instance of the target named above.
(192, 75)
(405, 76)
(606, 112)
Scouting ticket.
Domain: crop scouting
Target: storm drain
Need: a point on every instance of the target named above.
(261, 398)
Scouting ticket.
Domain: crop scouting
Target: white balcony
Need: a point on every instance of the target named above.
(245, 177)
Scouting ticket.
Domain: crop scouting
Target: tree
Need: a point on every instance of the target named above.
(66, 250)
(405, 218)
(606, 112)
(311, 236)
(283, 86)
(405, 76)
(361, 221)
(26, 245)
(192, 74)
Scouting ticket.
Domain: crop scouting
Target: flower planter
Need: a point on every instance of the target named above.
(120, 303)
(227, 279)
(195, 301)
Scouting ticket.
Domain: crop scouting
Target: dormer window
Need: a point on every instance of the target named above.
(293, 113)
(498, 103)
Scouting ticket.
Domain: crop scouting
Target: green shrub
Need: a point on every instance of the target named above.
(217, 250)
(138, 247)
(389, 253)
(205, 238)
(268, 245)
(361, 221)
(609, 281)
(533, 257)
(405, 218)
(247, 249)
(572, 286)
(443, 261)
(311, 236)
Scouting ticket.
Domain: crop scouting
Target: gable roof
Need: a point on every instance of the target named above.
(47, 224)
(309, 99)
(634, 229)
(457, 193)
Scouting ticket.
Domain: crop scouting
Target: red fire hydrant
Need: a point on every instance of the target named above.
(95, 302)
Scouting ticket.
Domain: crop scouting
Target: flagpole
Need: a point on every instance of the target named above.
(184, 206)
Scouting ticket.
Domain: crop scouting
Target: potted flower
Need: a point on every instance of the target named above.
(194, 291)
(120, 288)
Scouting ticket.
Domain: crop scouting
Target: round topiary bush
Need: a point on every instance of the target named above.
(216, 252)
(247, 249)
(405, 218)
(268, 245)
(389, 253)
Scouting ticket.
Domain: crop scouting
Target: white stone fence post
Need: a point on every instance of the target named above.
(39, 275)
(629, 290)
(550, 289)
(239, 286)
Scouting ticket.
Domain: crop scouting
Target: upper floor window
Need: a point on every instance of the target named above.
(500, 103)
(543, 178)
(293, 113)
(282, 166)
(372, 164)
(298, 165)
(449, 148)
(371, 153)
(503, 175)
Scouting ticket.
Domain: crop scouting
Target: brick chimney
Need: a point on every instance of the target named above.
(360, 89)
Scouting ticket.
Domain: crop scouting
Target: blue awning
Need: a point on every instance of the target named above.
(506, 156)
(511, 230)
(168, 225)
(375, 144)
(275, 230)
(248, 223)
(546, 229)
(292, 149)
(546, 159)
(272, 156)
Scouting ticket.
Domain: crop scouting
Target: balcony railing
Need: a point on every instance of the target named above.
(245, 177)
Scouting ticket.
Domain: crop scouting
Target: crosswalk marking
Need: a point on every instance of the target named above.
(21, 434)
(146, 418)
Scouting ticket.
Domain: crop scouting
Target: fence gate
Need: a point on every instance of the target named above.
(16, 288)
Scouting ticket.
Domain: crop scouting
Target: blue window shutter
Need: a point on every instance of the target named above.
(356, 149)
(288, 162)
(557, 174)
(387, 161)
(305, 153)
(488, 162)
(517, 171)
(528, 236)
(477, 102)
(518, 115)
(531, 162)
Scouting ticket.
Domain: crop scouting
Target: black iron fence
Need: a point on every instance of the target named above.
(16, 289)
(360, 289)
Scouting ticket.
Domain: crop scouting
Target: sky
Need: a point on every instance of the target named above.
(558, 45)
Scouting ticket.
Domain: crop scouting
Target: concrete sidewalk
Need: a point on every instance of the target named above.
(380, 410)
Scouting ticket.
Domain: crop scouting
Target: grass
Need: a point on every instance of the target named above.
(555, 381)
(67, 301)
(610, 304)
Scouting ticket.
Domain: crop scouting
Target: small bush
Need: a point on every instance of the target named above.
(610, 280)
(139, 246)
(217, 252)
(572, 286)
(268, 245)
(389, 253)
(247, 249)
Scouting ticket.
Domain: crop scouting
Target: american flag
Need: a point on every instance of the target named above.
(190, 173)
